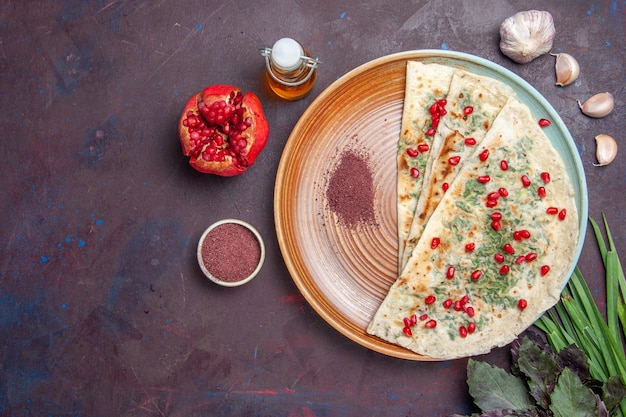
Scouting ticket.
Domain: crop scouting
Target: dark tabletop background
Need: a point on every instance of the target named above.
(103, 309)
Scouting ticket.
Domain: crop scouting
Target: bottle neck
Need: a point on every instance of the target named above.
(290, 78)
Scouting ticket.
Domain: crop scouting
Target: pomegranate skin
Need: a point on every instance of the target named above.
(215, 146)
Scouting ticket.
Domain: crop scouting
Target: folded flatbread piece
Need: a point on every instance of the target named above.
(491, 270)
(425, 84)
(473, 102)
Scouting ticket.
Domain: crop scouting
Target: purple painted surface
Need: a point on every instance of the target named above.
(103, 309)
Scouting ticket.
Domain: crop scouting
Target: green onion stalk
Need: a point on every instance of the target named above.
(576, 319)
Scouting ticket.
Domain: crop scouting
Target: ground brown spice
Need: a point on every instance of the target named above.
(230, 252)
(350, 191)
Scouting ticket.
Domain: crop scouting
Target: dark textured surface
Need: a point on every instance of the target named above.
(103, 309)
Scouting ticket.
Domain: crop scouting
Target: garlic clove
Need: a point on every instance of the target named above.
(598, 105)
(566, 68)
(606, 149)
(527, 35)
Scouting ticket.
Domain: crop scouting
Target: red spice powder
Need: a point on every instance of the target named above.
(230, 252)
(350, 191)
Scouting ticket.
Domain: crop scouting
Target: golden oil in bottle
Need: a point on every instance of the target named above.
(290, 71)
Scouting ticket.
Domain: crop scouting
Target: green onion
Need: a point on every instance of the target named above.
(577, 320)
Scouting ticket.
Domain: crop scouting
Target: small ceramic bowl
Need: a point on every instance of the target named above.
(211, 272)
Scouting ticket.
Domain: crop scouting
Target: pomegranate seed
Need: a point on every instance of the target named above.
(496, 225)
(407, 322)
(470, 247)
(458, 306)
(415, 172)
(525, 181)
(524, 233)
(499, 258)
(442, 111)
(517, 235)
(468, 110)
(442, 102)
(423, 317)
(422, 147)
(407, 332)
(484, 155)
(545, 176)
(522, 304)
(454, 160)
(431, 132)
(544, 122)
(544, 270)
(494, 195)
(447, 303)
(508, 248)
(504, 270)
(503, 192)
(496, 215)
(445, 186)
(412, 152)
(471, 327)
(463, 332)
(552, 210)
(430, 324)
(434, 122)
(484, 179)
(413, 319)
(476, 275)
(435, 242)
(541, 192)
(450, 272)
(520, 259)
(470, 141)
(562, 214)
(491, 203)
(504, 165)
(530, 256)
(434, 108)
(469, 310)
(430, 299)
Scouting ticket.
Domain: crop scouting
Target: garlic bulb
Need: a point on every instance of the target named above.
(567, 69)
(527, 35)
(598, 106)
(606, 149)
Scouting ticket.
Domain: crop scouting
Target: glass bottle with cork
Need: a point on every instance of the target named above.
(289, 70)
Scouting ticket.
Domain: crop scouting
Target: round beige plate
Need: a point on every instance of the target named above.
(345, 273)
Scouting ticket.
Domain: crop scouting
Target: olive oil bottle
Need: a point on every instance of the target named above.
(289, 71)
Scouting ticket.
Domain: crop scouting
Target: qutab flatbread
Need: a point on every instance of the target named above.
(472, 103)
(495, 253)
(425, 84)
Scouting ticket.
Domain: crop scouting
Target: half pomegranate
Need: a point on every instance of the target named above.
(223, 130)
